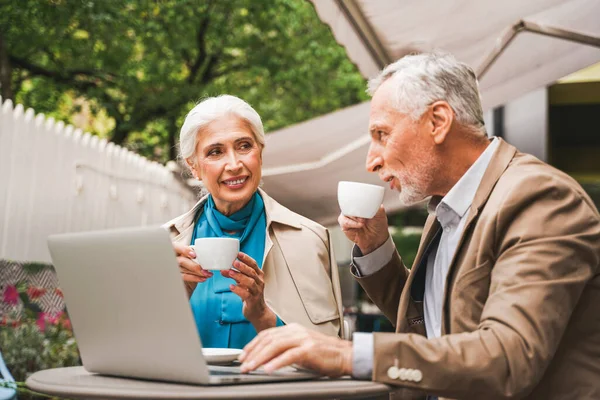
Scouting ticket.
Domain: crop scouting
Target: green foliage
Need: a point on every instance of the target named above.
(134, 68)
(27, 349)
(407, 245)
(593, 190)
(407, 239)
(32, 340)
(31, 267)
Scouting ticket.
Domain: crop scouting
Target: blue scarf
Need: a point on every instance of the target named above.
(249, 226)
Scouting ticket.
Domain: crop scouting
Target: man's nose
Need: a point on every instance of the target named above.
(374, 160)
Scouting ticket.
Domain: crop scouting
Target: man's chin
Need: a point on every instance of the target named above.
(409, 197)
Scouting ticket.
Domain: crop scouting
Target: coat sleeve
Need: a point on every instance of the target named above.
(335, 283)
(385, 286)
(547, 240)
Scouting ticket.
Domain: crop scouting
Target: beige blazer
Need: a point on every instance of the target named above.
(301, 275)
(521, 316)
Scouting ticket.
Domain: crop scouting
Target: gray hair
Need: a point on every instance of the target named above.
(422, 79)
(211, 109)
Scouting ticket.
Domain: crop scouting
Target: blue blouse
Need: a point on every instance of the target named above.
(217, 310)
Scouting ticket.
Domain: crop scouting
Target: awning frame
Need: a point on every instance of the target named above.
(520, 26)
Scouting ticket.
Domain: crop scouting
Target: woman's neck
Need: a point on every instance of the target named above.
(227, 208)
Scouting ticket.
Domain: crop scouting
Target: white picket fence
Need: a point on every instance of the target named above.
(54, 179)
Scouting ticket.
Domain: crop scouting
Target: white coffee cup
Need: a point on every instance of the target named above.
(216, 253)
(359, 199)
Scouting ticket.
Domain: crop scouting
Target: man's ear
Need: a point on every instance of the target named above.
(195, 172)
(441, 117)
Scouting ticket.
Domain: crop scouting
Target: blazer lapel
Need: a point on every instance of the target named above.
(498, 164)
(411, 309)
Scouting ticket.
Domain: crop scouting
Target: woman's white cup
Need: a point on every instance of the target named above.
(216, 253)
(359, 199)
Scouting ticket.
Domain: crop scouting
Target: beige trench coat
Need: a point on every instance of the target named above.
(301, 275)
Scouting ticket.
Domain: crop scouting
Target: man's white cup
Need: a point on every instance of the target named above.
(359, 199)
(216, 253)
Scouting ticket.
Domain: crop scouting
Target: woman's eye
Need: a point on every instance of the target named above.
(214, 152)
(245, 146)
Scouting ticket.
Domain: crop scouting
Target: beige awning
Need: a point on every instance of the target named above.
(516, 46)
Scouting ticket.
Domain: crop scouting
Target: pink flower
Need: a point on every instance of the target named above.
(66, 323)
(41, 321)
(11, 295)
(54, 319)
(59, 292)
(35, 292)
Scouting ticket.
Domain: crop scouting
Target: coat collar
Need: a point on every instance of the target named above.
(498, 164)
(278, 213)
(275, 213)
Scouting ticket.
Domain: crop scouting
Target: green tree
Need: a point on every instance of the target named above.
(143, 63)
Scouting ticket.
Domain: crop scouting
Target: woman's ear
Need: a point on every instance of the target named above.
(442, 117)
(191, 163)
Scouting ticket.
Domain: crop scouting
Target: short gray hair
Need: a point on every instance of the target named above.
(425, 78)
(211, 109)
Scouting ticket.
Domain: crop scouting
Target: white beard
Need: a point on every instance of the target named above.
(413, 185)
(410, 195)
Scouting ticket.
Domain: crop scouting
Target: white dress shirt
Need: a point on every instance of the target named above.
(450, 212)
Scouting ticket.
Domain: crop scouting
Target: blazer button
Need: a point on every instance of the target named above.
(403, 374)
(417, 376)
(392, 372)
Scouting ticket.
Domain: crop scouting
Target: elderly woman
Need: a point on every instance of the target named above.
(285, 271)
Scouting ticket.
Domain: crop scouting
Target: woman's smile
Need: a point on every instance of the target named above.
(235, 183)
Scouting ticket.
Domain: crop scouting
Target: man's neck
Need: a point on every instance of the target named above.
(459, 155)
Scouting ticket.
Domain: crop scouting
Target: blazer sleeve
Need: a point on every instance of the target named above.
(547, 240)
(335, 283)
(385, 286)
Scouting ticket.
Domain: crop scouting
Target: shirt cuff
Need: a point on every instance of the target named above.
(362, 355)
(374, 261)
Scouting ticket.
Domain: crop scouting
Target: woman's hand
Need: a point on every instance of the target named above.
(250, 287)
(190, 270)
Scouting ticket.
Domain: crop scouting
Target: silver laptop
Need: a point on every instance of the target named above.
(130, 312)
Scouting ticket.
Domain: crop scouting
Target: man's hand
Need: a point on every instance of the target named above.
(293, 344)
(368, 234)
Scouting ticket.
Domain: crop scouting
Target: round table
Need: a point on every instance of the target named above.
(77, 383)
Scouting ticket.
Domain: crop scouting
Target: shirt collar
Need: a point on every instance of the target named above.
(458, 200)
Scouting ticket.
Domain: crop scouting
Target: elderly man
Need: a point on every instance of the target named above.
(503, 300)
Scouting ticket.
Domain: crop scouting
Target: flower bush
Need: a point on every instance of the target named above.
(32, 340)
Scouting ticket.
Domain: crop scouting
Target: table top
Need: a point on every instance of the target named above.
(77, 383)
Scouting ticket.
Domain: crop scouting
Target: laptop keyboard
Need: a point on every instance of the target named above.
(221, 373)
(232, 371)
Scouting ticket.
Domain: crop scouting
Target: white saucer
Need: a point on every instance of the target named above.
(220, 356)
